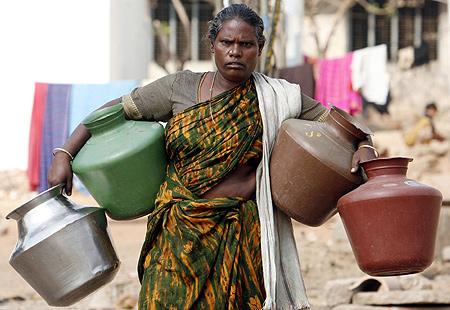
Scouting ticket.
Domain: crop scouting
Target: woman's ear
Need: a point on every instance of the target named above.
(211, 47)
(260, 52)
(260, 48)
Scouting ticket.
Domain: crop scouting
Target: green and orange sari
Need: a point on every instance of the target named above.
(205, 253)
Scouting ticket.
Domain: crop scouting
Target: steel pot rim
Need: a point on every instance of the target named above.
(34, 202)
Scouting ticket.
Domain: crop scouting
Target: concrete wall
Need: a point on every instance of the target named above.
(130, 39)
(340, 41)
(443, 41)
(338, 45)
(293, 10)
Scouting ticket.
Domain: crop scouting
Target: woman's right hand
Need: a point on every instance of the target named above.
(61, 172)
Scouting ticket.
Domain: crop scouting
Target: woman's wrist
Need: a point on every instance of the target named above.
(367, 141)
(62, 152)
(368, 146)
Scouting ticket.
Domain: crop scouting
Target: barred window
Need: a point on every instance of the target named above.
(165, 13)
(413, 24)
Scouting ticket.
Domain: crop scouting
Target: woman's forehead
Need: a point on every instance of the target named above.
(237, 27)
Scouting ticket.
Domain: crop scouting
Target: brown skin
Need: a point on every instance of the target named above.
(236, 52)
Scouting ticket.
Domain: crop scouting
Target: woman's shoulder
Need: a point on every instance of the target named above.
(188, 78)
(174, 81)
(189, 74)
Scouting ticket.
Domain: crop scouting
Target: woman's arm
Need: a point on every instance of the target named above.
(151, 102)
(60, 170)
(364, 152)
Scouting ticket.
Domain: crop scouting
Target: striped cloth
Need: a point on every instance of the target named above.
(55, 127)
(36, 127)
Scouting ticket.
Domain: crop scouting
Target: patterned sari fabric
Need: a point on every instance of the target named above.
(205, 253)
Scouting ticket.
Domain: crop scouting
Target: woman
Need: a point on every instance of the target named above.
(208, 244)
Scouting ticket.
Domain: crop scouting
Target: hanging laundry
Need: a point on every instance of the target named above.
(380, 108)
(302, 75)
(369, 73)
(334, 85)
(35, 138)
(55, 127)
(57, 110)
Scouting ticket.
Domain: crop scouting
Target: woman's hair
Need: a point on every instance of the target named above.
(240, 11)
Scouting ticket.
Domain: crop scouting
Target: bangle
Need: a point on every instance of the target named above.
(370, 147)
(60, 149)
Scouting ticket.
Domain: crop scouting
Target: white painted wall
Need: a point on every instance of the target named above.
(293, 10)
(338, 44)
(130, 39)
(62, 41)
(444, 39)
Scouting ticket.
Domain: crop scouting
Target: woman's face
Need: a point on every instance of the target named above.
(236, 50)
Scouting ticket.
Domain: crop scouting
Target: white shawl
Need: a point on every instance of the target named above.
(283, 282)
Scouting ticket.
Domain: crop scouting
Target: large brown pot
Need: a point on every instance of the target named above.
(310, 165)
(391, 221)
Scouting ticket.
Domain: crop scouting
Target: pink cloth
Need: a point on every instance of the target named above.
(334, 84)
(35, 138)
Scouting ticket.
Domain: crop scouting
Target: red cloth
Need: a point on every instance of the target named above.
(35, 138)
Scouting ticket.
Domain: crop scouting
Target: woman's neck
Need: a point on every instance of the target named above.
(222, 84)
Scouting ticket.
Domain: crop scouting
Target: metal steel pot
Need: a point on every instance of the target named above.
(64, 250)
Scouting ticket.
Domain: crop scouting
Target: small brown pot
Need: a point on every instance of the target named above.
(390, 220)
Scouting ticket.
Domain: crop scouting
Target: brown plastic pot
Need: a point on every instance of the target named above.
(310, 165)
(390, 220)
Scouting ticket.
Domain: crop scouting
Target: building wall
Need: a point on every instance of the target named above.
(338, 44)
(130, 39)
(443, 40)
(293, 11)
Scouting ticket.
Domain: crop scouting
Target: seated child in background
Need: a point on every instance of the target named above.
(424, 131)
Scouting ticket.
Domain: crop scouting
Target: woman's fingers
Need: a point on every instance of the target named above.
(60, 172)
(68, 187)
(355, 162)
(362, 154)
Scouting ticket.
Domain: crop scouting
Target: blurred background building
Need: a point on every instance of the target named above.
(67, 41)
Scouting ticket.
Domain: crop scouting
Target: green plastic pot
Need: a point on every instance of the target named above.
(123, 164)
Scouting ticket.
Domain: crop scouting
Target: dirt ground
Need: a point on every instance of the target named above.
(325, 253)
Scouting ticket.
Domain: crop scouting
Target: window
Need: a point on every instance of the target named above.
(195, 9)
(410, 26)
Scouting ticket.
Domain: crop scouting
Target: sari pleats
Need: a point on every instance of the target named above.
(205, 253)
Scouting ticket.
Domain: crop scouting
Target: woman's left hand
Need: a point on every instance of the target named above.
(365, 152)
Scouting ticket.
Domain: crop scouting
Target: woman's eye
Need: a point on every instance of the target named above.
(226, 42)
(247, 44)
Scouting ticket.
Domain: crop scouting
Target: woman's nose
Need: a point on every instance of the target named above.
(235, 50)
